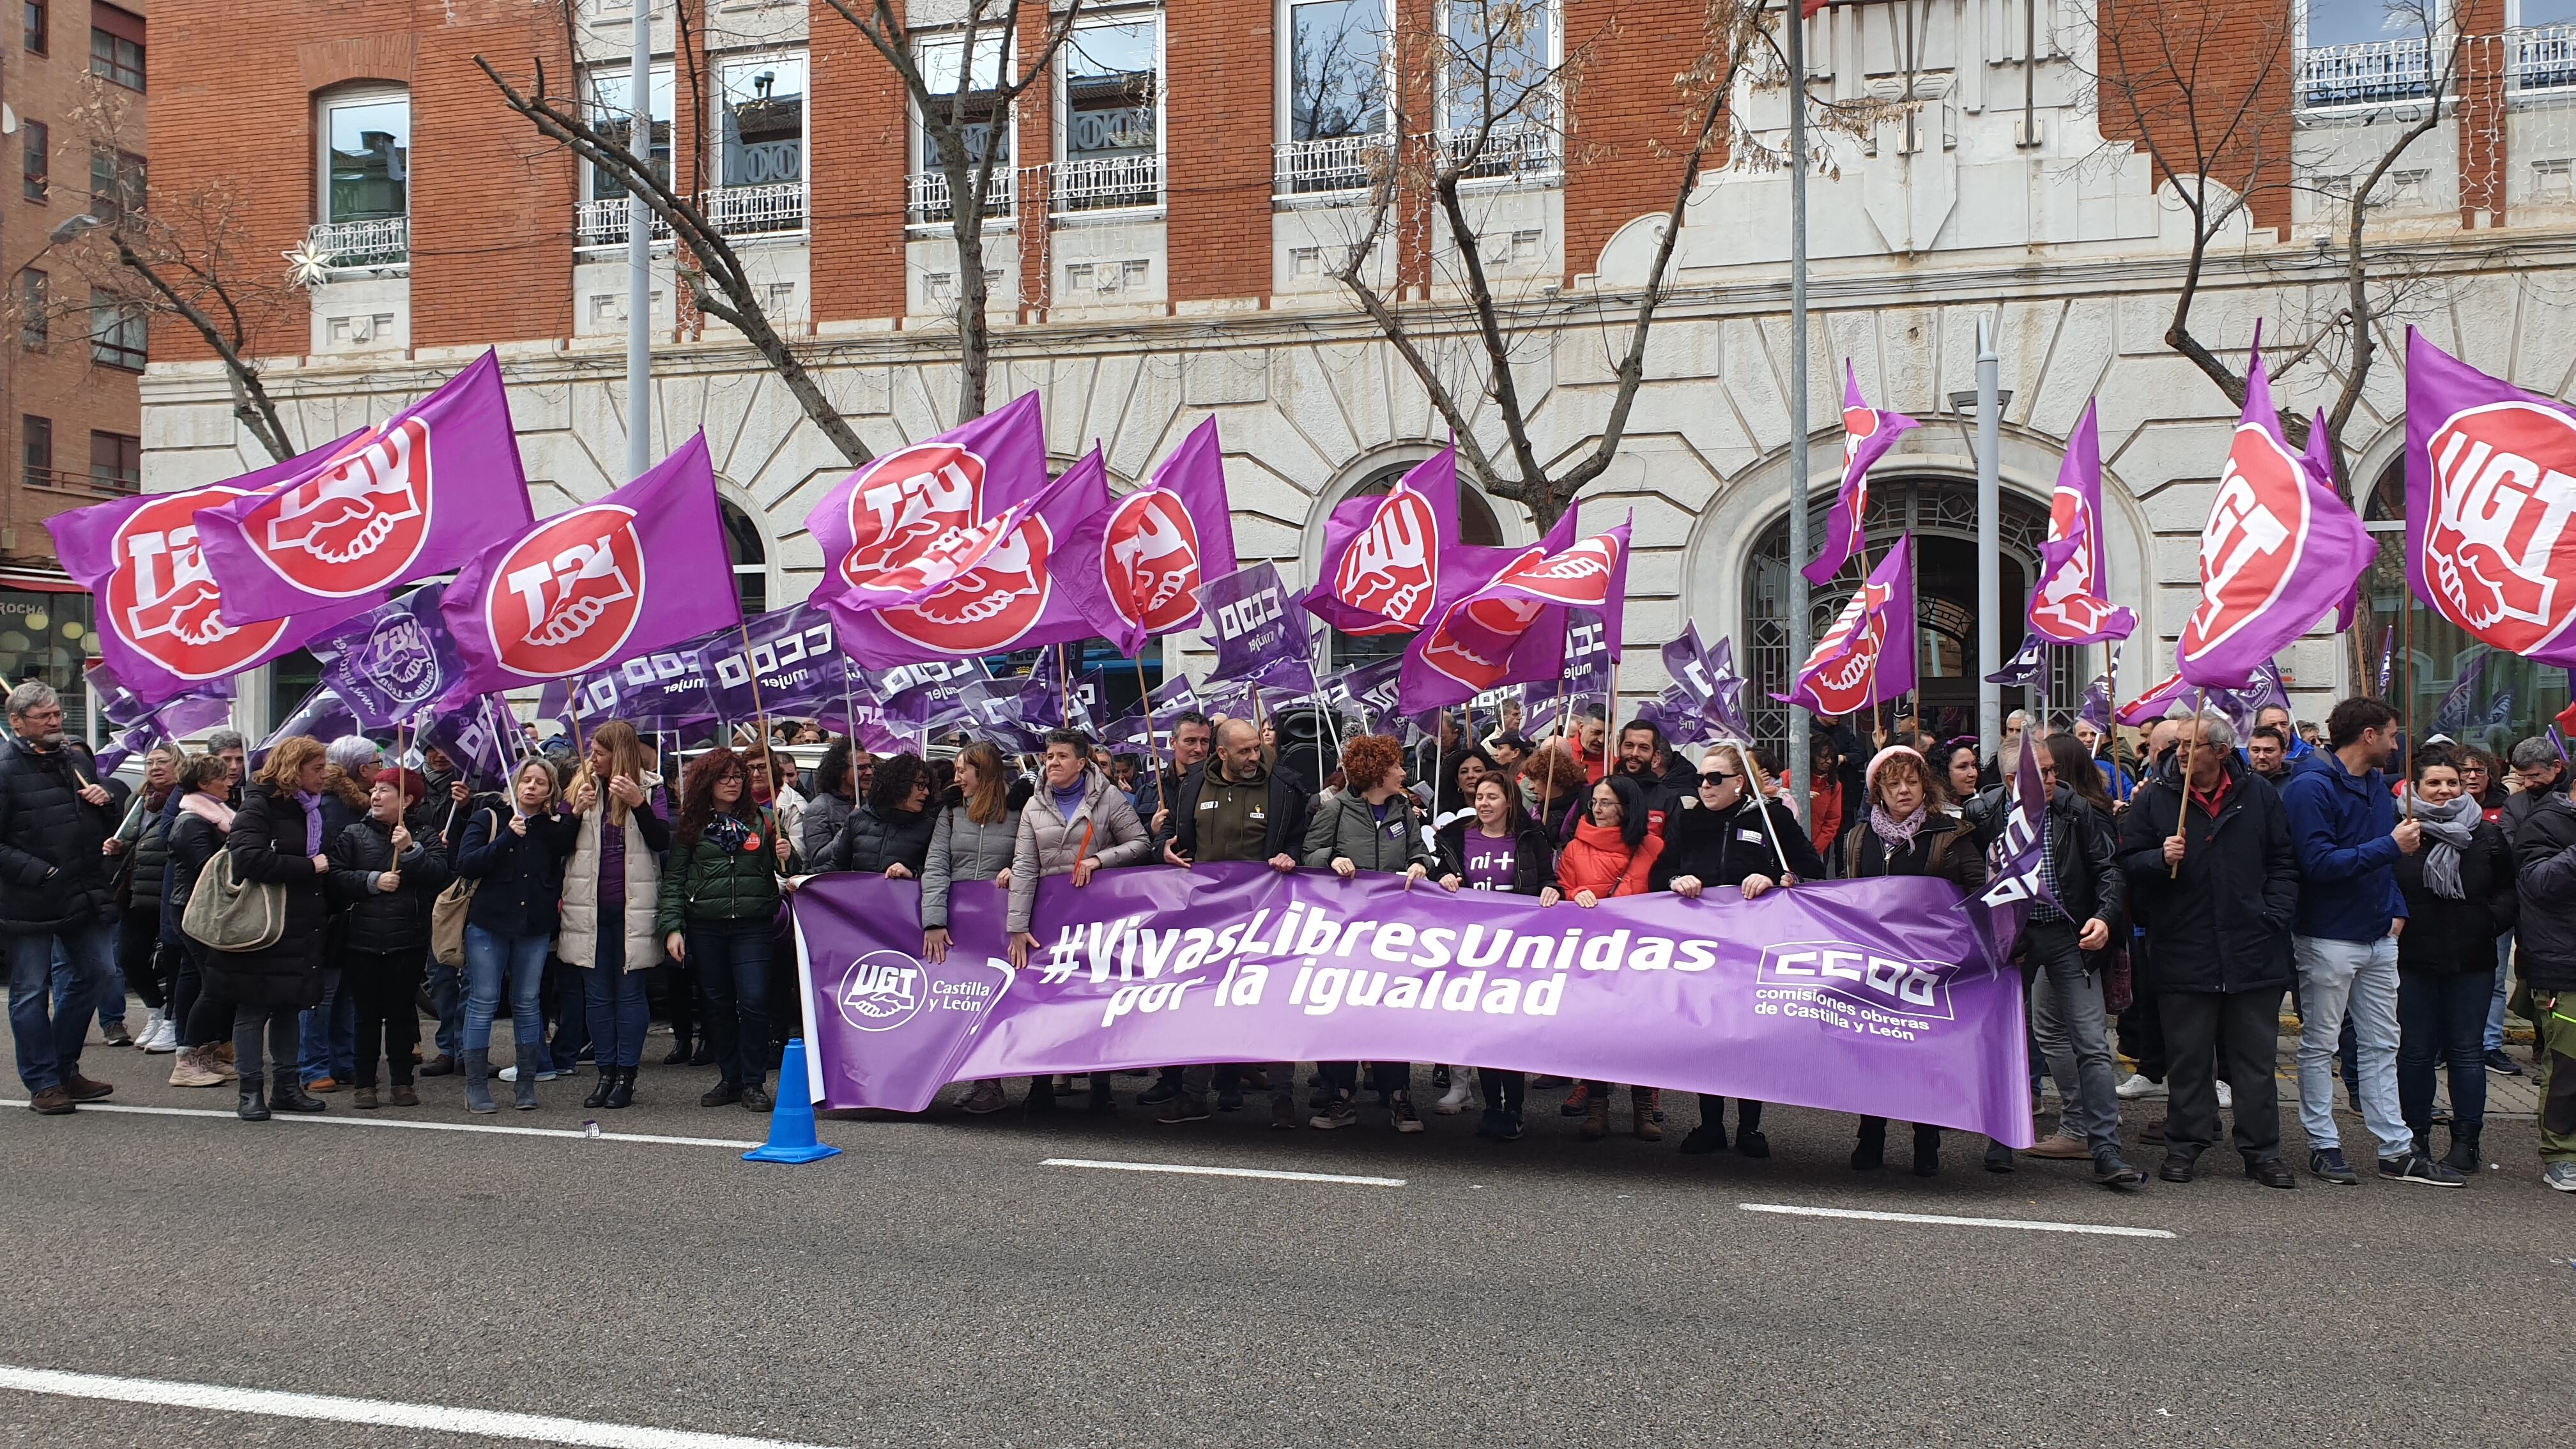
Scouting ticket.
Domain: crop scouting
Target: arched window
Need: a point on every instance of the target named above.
(1476, 525)
(2437, 676)
(750, 558)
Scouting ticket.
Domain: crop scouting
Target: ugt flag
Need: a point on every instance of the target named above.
(164, 625)
(2070, 605)
(1383, 554)
(1868, 654)
(1512, 628)
(642, 569)
(1148, 555)
(1868, 433)
(416, 495)
(2490, 487)
(2280, 550)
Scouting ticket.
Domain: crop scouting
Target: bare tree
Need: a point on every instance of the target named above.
(710, 270)
(965, 127)
(1499, 104)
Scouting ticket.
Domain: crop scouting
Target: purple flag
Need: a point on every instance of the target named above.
(1868, 433)
(2279, 552)
(321, 715)
(1867, 657)
(164, 625)
(1051, 701)
(1875, 996)
(784, 662)
(2027, 664)
(661, 690)
(185, 715)
(1259, 632)
(2017, 861)
(2488, 498)
(916, 694)
(1147, 555)
(1707, 678)
(642, 569)
(2455, 711)
(392, 664)
(119, 706)
(2070, 605)
(1511, 628)
(466, 728)
(1384, 554)
(416, 495)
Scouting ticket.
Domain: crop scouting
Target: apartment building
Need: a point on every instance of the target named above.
(1185, 179)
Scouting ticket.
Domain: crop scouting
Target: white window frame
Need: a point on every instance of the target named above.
(716, 113)
(1555, 58)
(1063, 110)
(338, 98)
(1007, 123)
(660, 74)
(1285, 67)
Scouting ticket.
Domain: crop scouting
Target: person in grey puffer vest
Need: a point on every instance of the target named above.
(1076, 823)
(972, 843)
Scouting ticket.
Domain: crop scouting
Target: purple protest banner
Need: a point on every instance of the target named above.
(2279, 551)
(164, 625)
(1258, 630)
(662, 690)
(394, 662)
(913, 695)
(2069, 606)
(2016, 863)
(416, 495)
(642, 569)
(1879, 997)
(1868, 433)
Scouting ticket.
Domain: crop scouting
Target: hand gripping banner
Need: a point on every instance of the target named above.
(1881, 997)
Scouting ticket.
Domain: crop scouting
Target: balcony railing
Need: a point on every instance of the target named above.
(1526, 150)
(926, 197)
(2541, 58)
(362, 246)
(1327, 163)
(2370, 73)
(1106, 183)
(79, 484)
(770, 210)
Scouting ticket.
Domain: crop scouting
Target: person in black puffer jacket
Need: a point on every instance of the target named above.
(515, 854)
(386, 883)
(143, 842)
(890, 834)
(1729, 835)
(54, 888)
(198, 825)
(277, 840)
(2460, 896)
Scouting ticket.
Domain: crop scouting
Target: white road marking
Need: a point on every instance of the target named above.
(329, 1119)
(1187, 1170)
(331, 1408)
(2109, 1230)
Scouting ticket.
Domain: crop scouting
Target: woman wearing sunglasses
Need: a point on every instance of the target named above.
(1729, 835)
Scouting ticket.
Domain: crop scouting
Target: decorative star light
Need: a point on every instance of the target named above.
(308, 263)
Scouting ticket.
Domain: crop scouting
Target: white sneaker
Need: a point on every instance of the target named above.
(1453, 1101)
(511, 1074)
(165, 1039)
(2226, 1097)
(2137, 1087)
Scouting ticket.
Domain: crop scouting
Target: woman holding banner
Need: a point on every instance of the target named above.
(1728, 836)
(612, 883)
(719, 898)
(1612, 853)
(1372, 825)
(973, 840)
(1499, 849)
(1905, 830)
(1075, 823)
(517, 864)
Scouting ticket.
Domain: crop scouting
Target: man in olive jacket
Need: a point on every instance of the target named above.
(2217, 883)
(55, 823)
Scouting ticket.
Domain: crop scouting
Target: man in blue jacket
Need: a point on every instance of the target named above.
(2345, 830)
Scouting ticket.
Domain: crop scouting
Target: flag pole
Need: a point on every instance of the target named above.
(1760, 785)
(1153, 749)
(2190, 742)
(759, 714)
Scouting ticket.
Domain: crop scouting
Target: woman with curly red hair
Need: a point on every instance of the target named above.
(1373, 825)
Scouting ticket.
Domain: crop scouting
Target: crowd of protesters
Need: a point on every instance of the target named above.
(2403, 903)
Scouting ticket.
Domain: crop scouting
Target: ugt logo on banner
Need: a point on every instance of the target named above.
(906, 512)
(356, 526)
(2497, 551)
(162, 600)
(2247, 553)
(1150, 557)
(566, 598)
(1392, 569)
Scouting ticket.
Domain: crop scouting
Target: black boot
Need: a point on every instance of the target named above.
(2463, 1156)
(1710, 1134)
(621, 1093)
(286, 1093)
(1748, 1129)
(679, 1056)
(254, 1107)
(1103, 1104)
(600, 1088)
(1870, 1153)
(1927, 1150)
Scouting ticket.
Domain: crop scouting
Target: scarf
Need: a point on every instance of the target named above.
(312, 804)
(1897, 835)
(2446, 834)
(727, 832)
(208, 808)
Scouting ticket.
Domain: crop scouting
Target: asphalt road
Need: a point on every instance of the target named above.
(937, 1284)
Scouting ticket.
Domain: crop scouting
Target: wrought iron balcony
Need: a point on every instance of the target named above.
(362, 246)
(2372, 72)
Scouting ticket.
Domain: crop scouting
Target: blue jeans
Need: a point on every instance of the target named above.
(2442, 1019)
(330, 1031)
(615, 1001)
(489, 957)
(731, 961)
(48, 1038)
(2359, 977)
(2072, 1013)
(447, 998)
(2503, 992)
(111, 991)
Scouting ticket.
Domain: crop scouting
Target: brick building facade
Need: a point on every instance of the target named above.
(1168, 255)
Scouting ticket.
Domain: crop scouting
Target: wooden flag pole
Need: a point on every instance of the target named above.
(2190, 742)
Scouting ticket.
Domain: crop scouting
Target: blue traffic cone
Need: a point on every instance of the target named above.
(791, 1121)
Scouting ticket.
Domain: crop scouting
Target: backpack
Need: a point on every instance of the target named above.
(227, 913)
(447, 915)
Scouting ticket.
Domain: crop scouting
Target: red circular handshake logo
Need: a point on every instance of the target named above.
(568, 597)
(906, 512)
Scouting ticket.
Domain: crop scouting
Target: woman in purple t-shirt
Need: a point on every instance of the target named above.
(1500, 849)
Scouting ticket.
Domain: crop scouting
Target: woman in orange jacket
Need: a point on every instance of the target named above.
(1612, 854)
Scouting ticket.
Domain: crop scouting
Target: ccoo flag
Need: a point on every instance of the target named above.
(2070, 605)
(1148, 555)
(1868, 654)
(165, 626)
(2280, 550)
(1867, 435)
(642, 569)
(2490, 487)
(413, 496)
